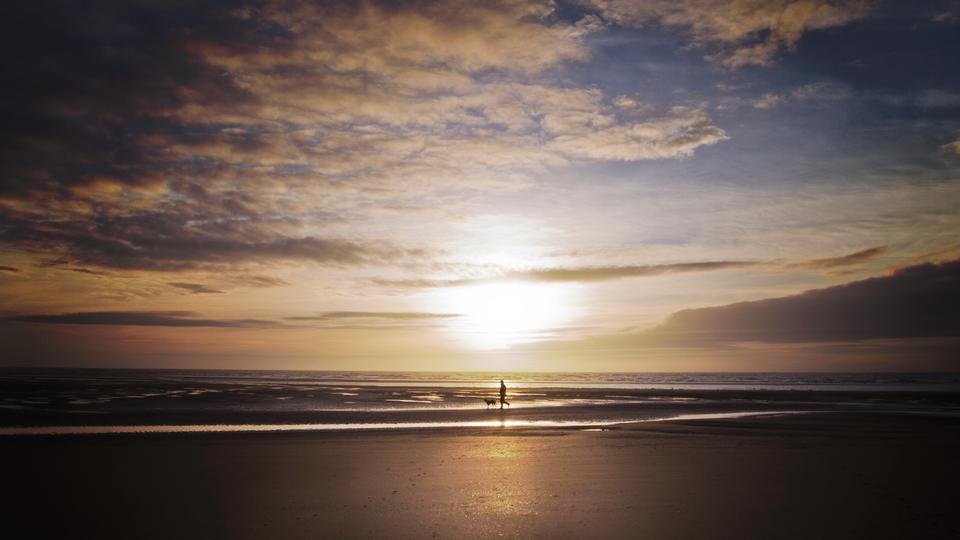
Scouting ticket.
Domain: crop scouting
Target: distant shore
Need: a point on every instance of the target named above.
(819, 475)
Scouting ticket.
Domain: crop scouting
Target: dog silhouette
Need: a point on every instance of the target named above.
(493, 402)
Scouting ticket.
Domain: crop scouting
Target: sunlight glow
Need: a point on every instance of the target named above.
(497, 315)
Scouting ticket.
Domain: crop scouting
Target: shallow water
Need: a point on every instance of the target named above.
(139, 399)
(590, 425)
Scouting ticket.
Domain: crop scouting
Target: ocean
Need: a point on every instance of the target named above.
(61, 401)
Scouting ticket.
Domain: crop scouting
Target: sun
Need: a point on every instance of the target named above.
(498, 315)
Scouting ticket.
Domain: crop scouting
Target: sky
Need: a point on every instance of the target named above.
(582, 185)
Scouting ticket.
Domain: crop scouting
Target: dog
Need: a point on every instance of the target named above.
(493, 402)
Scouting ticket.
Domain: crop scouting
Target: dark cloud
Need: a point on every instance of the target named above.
(9, 269)
(88, 272)
(165, 135)
(142, 318)
(914, 302)
(173, 239)
(908, 320)
(195, 288)
(94, 81)
(99, 99)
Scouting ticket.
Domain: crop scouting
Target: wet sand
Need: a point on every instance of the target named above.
(806, 476)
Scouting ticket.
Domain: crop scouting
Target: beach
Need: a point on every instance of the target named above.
(110, 401)
(814, 475)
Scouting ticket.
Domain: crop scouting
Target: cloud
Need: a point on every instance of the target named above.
(106, 80)
(170, 137)
(951, 16)
(195, 288)
(10, 269)
(176, 239)
(952, 147)
(605, 273)
(388, 315)
(88, 272)
(822, 91)
(940, 254)
(746, 33)
(907, 320)
(913, 302)
(258, 281)
(573, 274)
(585, 274)
(675, 134)
(141, 318)
(815, 94)
(374, 320)
(768, 101)
(839, 264)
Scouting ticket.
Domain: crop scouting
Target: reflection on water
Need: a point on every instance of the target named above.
(504, 423)
(203, 401)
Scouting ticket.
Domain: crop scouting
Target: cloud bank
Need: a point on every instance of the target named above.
(914, 302)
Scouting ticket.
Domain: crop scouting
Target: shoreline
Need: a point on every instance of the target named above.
(366, 427)
(451, 428)
(572, 406)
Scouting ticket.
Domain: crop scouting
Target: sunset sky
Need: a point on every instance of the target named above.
(584, 185)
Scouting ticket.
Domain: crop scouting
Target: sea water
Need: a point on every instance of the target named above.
(116, 400)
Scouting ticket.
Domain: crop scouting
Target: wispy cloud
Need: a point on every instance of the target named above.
(258, 281)
(89, 272)
(841, 264)
(170, 239)
(604, 273)
(388, 315)
(746, 33)
(195, 288)
(574, 274)
(374, 320)
(141, 318)
(952, 147)
(586, 274)
(820, 93)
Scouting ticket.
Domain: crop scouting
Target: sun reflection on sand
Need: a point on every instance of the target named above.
(509, 478)
(502, 422)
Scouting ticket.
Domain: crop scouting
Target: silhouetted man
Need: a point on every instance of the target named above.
(503, 394)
